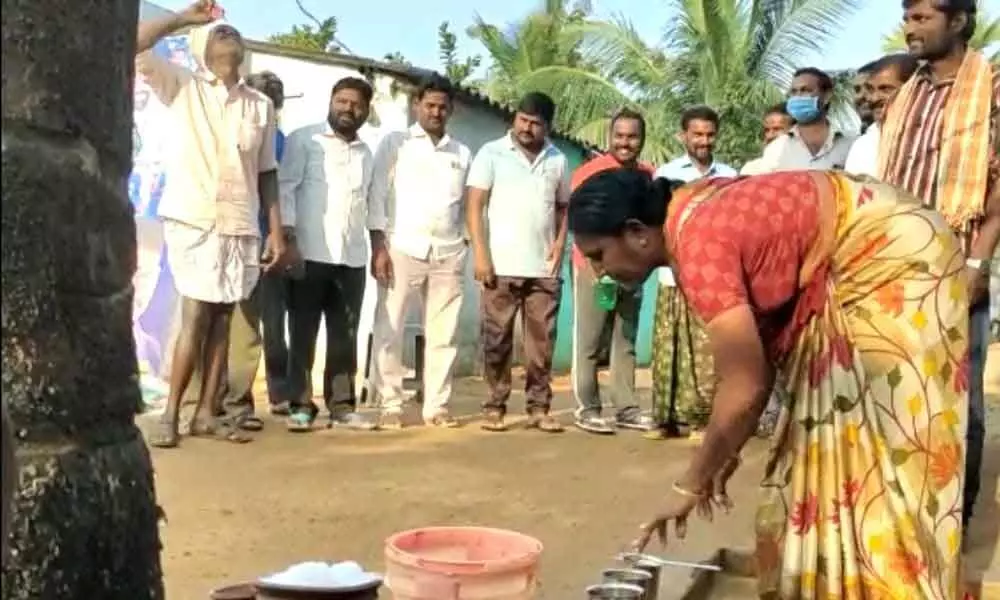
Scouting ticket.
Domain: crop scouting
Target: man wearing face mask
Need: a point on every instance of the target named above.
(813, 143)
(222, 170)
(590, 318)
(886, 76)
(326, 176)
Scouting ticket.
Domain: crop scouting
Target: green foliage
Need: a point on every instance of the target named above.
(734, 55)
(456, 69)
(319, 38)
(540, 40)
(396, 58)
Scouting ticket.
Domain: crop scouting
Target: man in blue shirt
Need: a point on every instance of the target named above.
(682, 366)
(259, 322)
(699, 129)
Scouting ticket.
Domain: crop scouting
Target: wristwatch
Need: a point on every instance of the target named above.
(979, 264)
(289, 233)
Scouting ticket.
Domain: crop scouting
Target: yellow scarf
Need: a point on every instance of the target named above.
(963, 160)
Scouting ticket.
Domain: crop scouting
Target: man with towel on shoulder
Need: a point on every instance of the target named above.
(939, 142)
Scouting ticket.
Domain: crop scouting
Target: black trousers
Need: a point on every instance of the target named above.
(334, 294)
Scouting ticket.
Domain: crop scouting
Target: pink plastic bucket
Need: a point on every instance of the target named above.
(462, 563)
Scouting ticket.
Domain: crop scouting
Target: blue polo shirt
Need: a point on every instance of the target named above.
(279, 149)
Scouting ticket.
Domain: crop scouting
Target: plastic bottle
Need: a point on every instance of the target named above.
(606, 291)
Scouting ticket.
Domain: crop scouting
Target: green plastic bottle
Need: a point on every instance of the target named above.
(606, 291)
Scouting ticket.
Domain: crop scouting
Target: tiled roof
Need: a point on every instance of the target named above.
(406, 73)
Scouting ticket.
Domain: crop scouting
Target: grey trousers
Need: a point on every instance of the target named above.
(589, 324)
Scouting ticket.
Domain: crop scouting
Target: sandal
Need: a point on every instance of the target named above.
(442, 420)
(247, 421)
(165, 435)
(300, 421)
(220, 430)
(493, 421)
(281, 409)
(544, 422)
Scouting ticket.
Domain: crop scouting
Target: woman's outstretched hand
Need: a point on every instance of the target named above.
(681, 502)
(720, 497)
(679, 505)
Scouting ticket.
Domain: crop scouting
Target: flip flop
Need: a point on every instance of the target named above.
(220, 430)
(165, 435)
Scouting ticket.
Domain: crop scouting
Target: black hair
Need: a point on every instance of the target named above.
(905, 64)
(825, 81)
(953, 8)
(778, 109)
(606, 202)
(357, 84)
(435, 83)
(270, 85)
(539, 105)
(628, 114)
(867, 68)
(699, 113)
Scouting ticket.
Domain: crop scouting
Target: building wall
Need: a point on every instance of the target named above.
(309, 86)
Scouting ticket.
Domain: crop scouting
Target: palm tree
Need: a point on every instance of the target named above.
(735, 55)
(985, 39)
(541, 39)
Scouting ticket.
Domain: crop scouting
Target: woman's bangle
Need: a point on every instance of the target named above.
(683, 491)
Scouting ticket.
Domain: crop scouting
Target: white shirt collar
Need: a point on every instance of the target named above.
(417, 131)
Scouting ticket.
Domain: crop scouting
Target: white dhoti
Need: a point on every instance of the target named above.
(209, 266)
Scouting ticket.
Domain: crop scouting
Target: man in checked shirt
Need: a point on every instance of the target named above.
(939, 142)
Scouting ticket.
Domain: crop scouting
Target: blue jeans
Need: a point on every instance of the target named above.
(979, 338)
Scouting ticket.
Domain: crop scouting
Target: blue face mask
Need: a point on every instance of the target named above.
(804, 109)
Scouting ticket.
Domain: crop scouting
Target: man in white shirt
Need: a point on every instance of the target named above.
(885, 77)
(776, 122)
(221, 170)
(325, 176)
(814, 143)
(419, 179)
(699, 129)
(517, 197)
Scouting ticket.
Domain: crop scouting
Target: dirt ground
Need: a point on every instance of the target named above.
(238, 512)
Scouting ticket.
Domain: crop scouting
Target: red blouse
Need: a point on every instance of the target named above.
(742, 241)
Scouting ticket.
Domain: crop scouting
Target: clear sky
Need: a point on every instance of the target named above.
(372, 28)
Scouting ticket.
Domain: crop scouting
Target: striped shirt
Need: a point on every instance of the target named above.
(922, 141)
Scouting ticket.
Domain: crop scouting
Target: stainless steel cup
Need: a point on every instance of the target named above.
(630, 576)
(614, 591)
(650, 565)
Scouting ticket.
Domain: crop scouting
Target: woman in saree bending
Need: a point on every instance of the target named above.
(856, 295)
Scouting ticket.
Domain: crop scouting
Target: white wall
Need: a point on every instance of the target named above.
(473, 125)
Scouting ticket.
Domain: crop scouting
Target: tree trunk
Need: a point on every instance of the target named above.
(85, 516)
